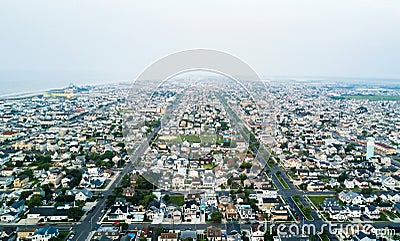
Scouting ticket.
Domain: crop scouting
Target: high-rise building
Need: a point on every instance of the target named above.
(370, 147)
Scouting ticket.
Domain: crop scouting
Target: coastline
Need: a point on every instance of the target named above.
(27, 94)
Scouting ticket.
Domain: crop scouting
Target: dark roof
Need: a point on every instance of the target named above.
(45, 211)
(233, 228)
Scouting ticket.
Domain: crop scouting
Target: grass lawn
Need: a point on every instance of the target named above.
(305, 209)
(318, 200)
(383, 217)
(208, 139)
(392, 215)
(170, 139)
(178, 200)
(220, 139)
(209, 166)
(271, 163)
(91, 139)
(191, 139)
(284, 184)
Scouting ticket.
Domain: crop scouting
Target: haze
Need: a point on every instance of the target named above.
(47, 44)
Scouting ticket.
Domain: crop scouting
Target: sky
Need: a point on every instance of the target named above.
(46, 44)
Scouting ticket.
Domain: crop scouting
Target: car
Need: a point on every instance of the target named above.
(115, 223)
(40, 224)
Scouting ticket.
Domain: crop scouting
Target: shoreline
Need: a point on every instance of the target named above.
(26, 94)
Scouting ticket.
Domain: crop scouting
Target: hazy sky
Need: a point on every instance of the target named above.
(48, 43)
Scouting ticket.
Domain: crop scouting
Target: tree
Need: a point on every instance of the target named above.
(307, 210)
(147, 199)
(243, 177)
(167, 198)
(124, 226)
(342, 177)
(36, 200)
(158, 230)
(126, 182)
(25, 194)
(75, 213)
(216, 217)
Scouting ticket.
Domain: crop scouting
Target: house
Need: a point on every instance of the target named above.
(24, 233)
(388, 182)
(315, 186)
(44, 234)
(94, 171)
(66, 181)
(257, 232)
(279, 213)
(191, 211)
(214, 233)
(128, 192)
(7, 171)
(21, 181)
(83, 195)
(328, 203)
(6, 181)
(231, 212)
(54, 177)
(350, 197)
(119, 211)
(353, 211)
(80, 194)
(178, 182)
(209, 179)
(47, 214)
(8, 233)
(109, 232)
(233, 231)
(349, 183)
(371, 212)
(362, 236)
(267, 204)
(245, 212)
(17, 206)
(9, 217)
(168, 237)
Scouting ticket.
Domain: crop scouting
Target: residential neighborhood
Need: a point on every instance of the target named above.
(199, 160)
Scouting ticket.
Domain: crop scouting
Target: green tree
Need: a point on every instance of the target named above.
(307, 210)
(158, 230)
(147, 199)
(216, 217)
(124, 226)
(167, 198)
(24, 195)
(35, 201)
(75, 213)
(126, 182)
(243, 177)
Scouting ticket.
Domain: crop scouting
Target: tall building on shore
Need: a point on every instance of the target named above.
(370, 147)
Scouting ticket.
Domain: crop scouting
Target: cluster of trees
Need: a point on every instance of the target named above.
(142, 197)
(42, 161)
(100, 158)
(77, 177)
(245, 165)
